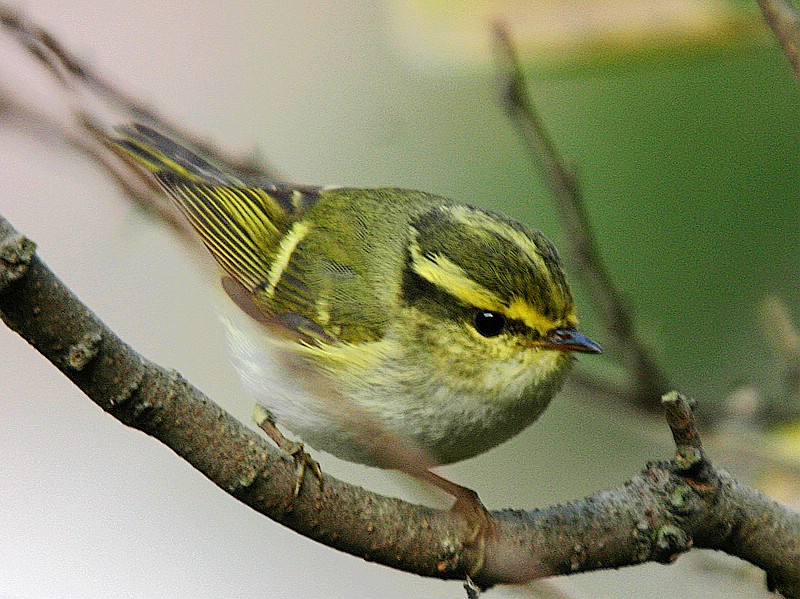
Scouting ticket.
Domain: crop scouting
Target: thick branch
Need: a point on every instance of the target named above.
(35, 304)
(582, 248)
(663, 511)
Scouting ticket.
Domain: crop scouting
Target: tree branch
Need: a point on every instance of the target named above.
(582, 247)
(782, 17)
(667, 509)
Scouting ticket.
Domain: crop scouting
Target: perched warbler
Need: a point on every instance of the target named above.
(376, 316)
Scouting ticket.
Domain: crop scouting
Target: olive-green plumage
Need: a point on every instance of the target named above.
(447, 324)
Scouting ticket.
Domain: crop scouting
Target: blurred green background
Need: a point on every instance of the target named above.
(689, 167)
(688, 156)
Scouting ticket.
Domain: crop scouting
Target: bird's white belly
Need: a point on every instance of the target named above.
(380, 417)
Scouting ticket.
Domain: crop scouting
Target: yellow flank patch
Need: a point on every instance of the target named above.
(350, 359)
(285, 249)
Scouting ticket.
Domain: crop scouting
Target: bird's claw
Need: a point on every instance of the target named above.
(302, 463)
(481, 525)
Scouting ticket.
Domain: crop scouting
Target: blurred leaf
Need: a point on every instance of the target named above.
(555, 32)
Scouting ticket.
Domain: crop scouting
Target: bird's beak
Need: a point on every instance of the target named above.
(570, 340)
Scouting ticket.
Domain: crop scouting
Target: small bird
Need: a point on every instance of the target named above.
(389, 327)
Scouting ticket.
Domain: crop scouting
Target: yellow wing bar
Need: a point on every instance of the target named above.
(241, 225)
(237, 225)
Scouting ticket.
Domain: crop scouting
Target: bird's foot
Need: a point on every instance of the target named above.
(481, 524)
(302, 461)
(469, 506)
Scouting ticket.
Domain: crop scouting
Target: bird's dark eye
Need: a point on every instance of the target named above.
(489, 324)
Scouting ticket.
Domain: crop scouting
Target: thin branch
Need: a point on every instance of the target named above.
(784, 20)
(783, 335)
(582, 247)
(88, 133)
(667, 509)
(75, 75)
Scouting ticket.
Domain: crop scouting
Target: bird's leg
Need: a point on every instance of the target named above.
(302, 461)
(470, 507)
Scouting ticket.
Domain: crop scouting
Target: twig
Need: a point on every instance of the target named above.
(88, 133)
(784, 20)
(784, 337)
(684, 430)
(583, 250)
(74, 74)
(667, 509)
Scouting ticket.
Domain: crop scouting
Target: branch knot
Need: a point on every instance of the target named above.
(16, 254)
(82, 353)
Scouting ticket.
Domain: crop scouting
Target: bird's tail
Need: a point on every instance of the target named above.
(161, 155)
(241, 224)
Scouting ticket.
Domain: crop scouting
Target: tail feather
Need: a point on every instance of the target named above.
(160, 154)
(241, 225)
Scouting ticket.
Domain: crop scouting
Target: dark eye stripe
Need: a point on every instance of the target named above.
(420, 293)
